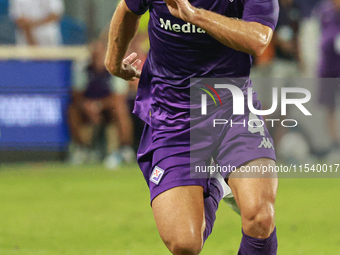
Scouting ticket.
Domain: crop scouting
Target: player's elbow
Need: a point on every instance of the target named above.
(111, 67)
(263, 37)
(260, 47)
(257, 52)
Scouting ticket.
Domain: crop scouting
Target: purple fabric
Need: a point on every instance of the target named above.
(254, 246)
(170, 151)
(180, 51)
(262, 11)
(229, 145)
(211, 205)
(138, 7)
(177, 153)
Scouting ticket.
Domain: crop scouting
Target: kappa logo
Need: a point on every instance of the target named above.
(157, 175)
(266, 144)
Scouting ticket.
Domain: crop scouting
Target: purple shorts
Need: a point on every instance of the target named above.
(167, 158)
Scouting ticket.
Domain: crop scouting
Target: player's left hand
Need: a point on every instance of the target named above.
(181, 9)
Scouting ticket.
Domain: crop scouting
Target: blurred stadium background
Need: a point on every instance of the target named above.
(68, 182)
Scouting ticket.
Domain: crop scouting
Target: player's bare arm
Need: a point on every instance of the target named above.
(250, 37)
(123, 27)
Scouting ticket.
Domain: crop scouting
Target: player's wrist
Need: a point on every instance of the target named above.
(197, 16)
(191, 14)
(120, 71)
(113, 67)
(123, 71)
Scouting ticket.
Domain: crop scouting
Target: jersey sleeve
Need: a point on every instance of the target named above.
(138, 7)
(265, 12)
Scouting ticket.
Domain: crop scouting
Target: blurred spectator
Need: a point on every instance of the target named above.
(102, 100)
(329, 65)
(308, 37)
(37, 21)
(286, 64)
(306, 7)
(281, 59)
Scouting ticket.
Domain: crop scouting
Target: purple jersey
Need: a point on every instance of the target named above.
(329, 65)
(180, 51)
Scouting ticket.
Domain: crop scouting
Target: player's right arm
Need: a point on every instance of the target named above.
(251, 34)
(123, 27)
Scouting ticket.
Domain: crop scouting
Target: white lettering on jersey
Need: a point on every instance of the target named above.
(185, 28)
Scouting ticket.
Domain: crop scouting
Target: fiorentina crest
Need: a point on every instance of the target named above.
(156, 175)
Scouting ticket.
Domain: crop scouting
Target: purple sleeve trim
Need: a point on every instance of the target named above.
(137, 7)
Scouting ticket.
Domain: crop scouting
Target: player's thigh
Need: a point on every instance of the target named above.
(179, 216)
(255, 193)
(254, 188)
